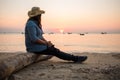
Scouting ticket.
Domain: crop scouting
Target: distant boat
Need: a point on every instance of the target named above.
(51, 33)
(69, 33)
(103, 32)
(82, 34)
(22, 32)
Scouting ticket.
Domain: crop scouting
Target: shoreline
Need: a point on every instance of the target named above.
(96, 67)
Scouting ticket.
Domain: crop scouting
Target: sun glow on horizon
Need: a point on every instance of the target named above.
(61, 31)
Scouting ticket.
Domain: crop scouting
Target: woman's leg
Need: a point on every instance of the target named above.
(62, 55)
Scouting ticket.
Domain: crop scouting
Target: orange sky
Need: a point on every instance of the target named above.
(67, 15)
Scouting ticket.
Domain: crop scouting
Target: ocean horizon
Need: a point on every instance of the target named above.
(67, 42)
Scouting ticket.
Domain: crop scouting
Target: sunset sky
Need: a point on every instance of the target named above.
(62, 15)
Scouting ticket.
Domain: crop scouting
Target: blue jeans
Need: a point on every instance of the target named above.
(56, 52)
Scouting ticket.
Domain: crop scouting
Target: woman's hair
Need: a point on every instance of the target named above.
(37, 19)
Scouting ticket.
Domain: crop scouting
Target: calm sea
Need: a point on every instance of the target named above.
(72, 43)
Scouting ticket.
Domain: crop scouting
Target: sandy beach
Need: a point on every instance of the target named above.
(97, 67)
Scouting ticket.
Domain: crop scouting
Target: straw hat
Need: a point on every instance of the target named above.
(35, 11)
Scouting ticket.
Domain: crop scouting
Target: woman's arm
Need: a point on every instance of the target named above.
(47, 43)
(40, 41)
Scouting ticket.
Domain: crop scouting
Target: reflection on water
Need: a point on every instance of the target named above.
(66, 42)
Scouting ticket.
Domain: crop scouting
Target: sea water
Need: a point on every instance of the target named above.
(71, 43)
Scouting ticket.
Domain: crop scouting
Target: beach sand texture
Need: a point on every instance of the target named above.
(96, 67)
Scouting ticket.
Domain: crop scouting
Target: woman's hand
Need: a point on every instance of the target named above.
(49, 43)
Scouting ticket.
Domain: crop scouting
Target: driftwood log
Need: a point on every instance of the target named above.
(14, 63)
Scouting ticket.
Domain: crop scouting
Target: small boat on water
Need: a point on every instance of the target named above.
(69, 33)
(82, 34)
(103, 32)
(51, 33)
(22, 32)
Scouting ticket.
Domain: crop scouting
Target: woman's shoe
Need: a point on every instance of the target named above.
(80, 59)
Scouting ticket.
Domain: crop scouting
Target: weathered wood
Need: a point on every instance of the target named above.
(17, 62)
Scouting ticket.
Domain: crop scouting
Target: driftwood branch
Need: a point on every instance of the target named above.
(17, 62)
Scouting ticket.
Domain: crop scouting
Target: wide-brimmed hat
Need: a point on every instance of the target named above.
(35, 11)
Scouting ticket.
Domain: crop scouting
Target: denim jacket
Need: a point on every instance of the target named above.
(33, 33)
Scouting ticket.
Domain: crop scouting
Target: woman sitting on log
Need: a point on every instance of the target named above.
(36, 43)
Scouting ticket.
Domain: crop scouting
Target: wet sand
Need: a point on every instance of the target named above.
(97, 67)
